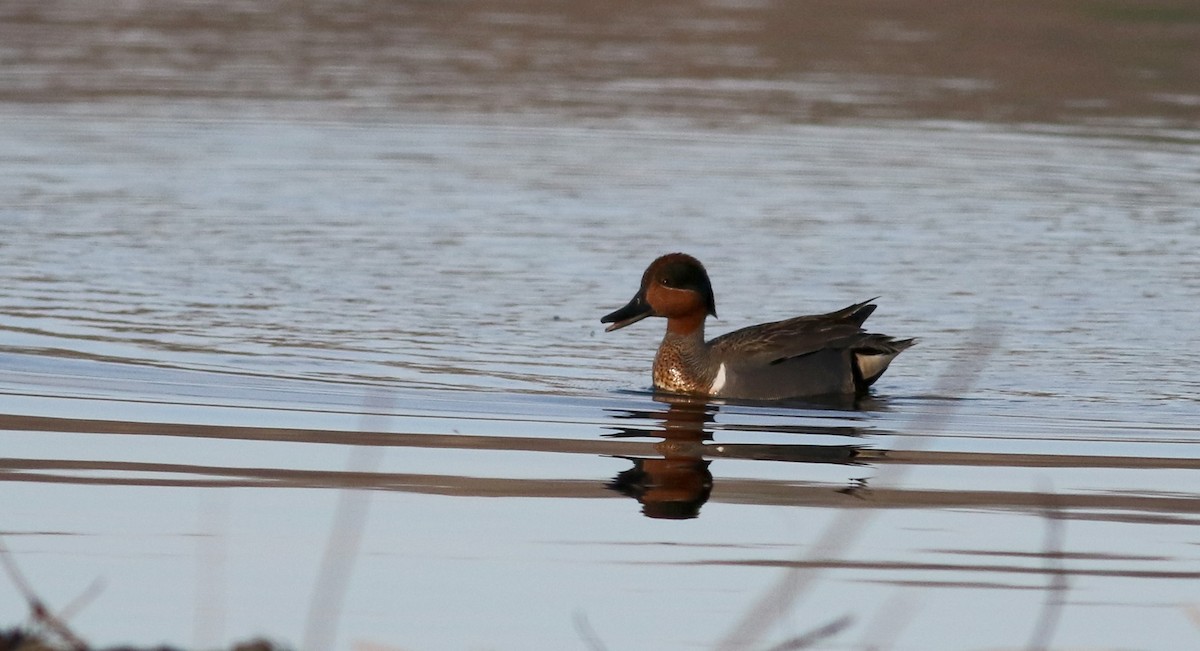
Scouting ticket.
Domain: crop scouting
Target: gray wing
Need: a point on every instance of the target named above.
(775, 343)
(808, 355)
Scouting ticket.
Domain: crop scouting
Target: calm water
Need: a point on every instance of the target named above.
(279, 280)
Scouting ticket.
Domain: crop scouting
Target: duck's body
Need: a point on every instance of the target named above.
(806, 356)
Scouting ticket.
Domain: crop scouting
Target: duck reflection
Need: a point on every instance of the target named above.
(676, 484)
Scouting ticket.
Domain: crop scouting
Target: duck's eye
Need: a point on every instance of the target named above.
(666, 282)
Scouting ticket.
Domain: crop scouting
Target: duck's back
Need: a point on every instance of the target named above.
(822, 354)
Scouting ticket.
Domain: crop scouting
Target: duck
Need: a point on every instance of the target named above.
(801, 357)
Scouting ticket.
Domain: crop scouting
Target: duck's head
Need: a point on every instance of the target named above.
(675, 286)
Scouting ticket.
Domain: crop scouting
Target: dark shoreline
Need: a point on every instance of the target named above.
(1064, 61)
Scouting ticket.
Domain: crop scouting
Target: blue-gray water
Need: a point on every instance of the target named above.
(230, 298)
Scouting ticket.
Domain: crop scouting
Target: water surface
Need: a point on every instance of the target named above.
(242, 287)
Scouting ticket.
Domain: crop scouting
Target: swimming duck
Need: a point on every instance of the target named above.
(805, 356)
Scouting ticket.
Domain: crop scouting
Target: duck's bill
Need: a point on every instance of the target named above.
(634, 311)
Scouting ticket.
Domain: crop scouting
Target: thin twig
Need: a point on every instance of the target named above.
(587, 633)
(212, 564)
(40, 613)
(848, 524)
(1058, 585)
(345, 538)
(84, 599)
(815, 636)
